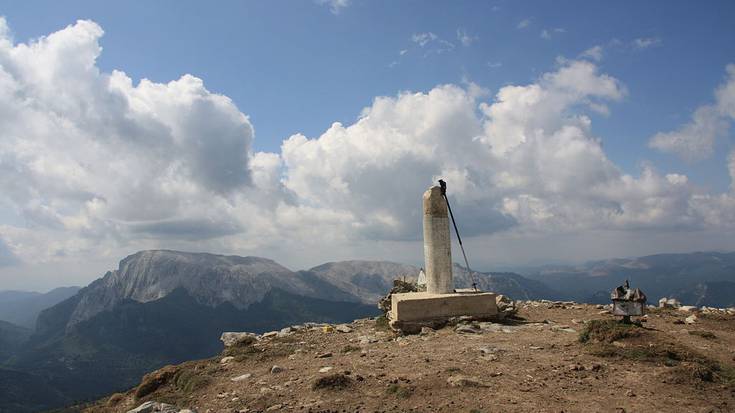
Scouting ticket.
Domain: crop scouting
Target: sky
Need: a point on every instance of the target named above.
(306, 131)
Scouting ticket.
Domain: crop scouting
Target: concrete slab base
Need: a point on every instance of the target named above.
(411, 311)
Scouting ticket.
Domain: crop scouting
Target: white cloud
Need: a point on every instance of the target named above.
(494, 65)
(547, 33)
(696, 140)
(94, 166)
(465, 38)
(594, 53)
(90, 153)
(646, 42)
(432, 43)
(335, 6)
(524, 23)
(422, 39)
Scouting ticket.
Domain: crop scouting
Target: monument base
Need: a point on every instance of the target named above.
(411, 311)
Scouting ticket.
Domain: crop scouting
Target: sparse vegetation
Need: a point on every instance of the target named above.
(191, 380)
(337, 381)
(608, 331)
(152, 381)
(381, 324)
(115, 399)
(400, 391)
(704, 334)
(350, 348)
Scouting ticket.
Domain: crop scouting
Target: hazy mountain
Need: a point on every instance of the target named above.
(684, 276)
(366, 281)
(513, 285)
(719, 294)
(21, 392)
(22, 307)
(162, 307)
(12, 338)
(210, 279)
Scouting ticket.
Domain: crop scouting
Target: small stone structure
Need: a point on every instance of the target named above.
(440, 302)
(628, 302)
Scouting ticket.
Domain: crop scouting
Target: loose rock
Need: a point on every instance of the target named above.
(276, 369)
(241, 377)
(233, 338)
(343, 328)
(465, 381)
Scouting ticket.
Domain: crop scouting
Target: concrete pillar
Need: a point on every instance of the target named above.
(437, 243)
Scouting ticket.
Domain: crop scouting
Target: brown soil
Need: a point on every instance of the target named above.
(535, 364)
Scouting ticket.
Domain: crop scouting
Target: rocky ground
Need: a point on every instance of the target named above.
(554, 357)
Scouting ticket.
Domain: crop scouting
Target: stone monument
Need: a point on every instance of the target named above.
(440, 302)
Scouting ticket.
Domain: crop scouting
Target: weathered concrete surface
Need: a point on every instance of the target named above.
(437, 243)
(427, 306)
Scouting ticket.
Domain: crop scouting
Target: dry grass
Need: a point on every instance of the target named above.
(337, 381)
(608, 331)
(402, 392)
(152, 381)
(381, 324)
(704, 334)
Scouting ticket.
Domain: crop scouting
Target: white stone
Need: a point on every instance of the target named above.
(147, 407)
(691, 319)
(226, 360)
(242, 377)
(343, 328)
(325, 369)
(688, 308)
(673, 303)
(233, 338)
(437, 243)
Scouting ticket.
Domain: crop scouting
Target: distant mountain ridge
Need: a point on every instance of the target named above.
(161, 306)
(210, 279)
(23, 307)
(688, 277)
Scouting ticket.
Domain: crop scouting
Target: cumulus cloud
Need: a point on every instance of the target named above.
(92, 164)
(524, 23)
(594, 53)
(92, 154)
(696, 139)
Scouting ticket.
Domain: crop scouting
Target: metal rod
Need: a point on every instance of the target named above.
(443, 186)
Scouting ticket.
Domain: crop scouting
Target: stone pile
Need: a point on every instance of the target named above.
(231, 338)
(669, 303)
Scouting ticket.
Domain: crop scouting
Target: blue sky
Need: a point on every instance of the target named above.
(567, 130)
(294, 66)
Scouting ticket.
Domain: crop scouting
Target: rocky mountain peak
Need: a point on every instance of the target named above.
(209, 278)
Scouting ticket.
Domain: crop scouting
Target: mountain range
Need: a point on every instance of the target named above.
(23, 307)
(161, 307)
(699, 278)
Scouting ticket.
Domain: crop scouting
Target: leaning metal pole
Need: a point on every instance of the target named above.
(443, 186)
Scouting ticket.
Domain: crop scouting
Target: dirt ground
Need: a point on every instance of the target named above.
(535, 364)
